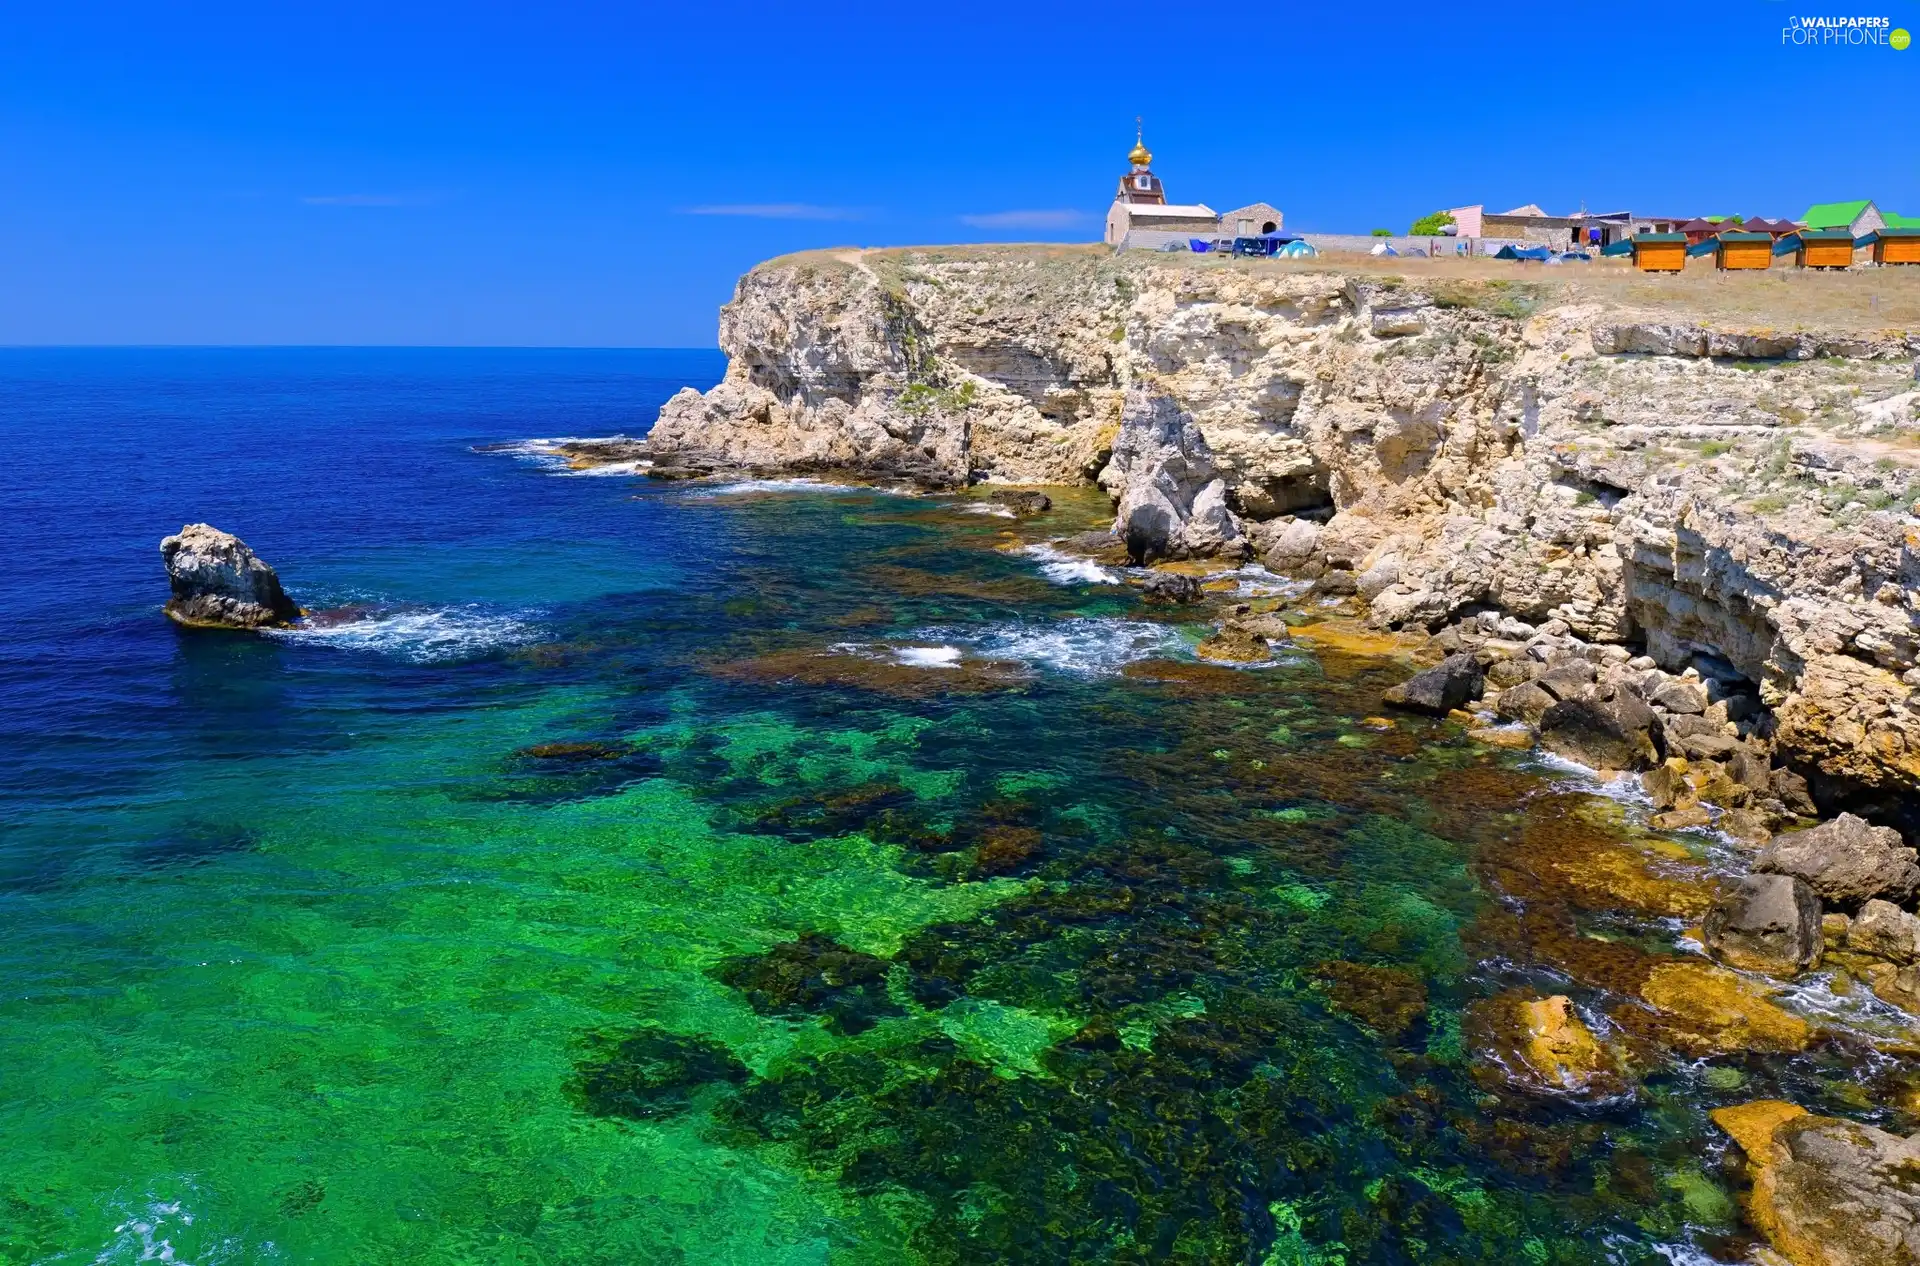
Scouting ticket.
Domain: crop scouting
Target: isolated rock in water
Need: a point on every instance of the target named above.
(1604, 734)
(1766, 923)
(1848, 861)
(1884, 930)
(1167, 586)
(1452, 682)
(1172, 501)
(1023, 504)
(219, 583)
(1827, 1191)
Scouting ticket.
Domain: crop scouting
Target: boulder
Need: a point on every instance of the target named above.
(1707, 1010)
(1455, 680)
(1679, 697)
(1828, 1192)
(1172, 501)
(1790, 789)
(1169, 586)
(1293, 546)
(1542, 1046)
(1667, 786)
(1766, 923)
(1525, 702)
(1023, 504)
(1618, 733)
(1884, 930)
(219, 583)
(1503, 674)
(1848, 861)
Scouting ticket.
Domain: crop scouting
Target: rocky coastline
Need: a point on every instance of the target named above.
(1663, 546)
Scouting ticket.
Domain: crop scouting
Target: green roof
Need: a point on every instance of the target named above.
(1834, 215)
(1826, 235)
(1659, 237)
(1746, 237)
(1900, 221)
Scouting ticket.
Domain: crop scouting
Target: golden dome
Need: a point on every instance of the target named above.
(1139, 156)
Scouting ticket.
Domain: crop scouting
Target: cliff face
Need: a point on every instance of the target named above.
(1546, 450)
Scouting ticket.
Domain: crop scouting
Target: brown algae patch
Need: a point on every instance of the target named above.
(874, 672)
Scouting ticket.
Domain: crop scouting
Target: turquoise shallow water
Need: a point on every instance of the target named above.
(630, 877)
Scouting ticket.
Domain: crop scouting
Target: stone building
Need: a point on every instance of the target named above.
(1142, 216)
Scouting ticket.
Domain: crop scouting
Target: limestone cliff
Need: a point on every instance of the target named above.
(1455, 442)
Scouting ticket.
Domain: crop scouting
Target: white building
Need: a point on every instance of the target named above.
(1141, 216)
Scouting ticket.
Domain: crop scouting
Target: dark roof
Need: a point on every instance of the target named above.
(1659, 237)
(1758, 224)
(1697, 225)
(1746, 237)
(1826, 235)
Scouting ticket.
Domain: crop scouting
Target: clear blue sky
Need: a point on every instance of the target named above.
(599, 175)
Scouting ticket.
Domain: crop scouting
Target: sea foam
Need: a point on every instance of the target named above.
(1069, 569)
(421, 635)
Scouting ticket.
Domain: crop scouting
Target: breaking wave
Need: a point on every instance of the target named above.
(419, 635)
(1081, 647)
(1063, 568)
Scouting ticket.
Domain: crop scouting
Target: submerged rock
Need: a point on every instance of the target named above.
(1706, 1010)
(1766, 923)
(219, 583)
(1454, 681)
(1848, 861)
(1828, 1192)
(1542, 1045)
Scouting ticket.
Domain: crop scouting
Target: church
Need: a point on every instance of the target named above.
(1142, 218)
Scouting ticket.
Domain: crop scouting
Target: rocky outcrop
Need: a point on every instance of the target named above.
(1846, 861)
(219, 583)
(1828, 1192)
(1171, 501)
(1737, 500)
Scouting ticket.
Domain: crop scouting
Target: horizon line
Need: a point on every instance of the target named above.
(354, 347)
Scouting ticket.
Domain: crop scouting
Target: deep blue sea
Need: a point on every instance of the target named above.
(746, 872)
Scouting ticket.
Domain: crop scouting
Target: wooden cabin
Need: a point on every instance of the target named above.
(1736, 250)
(1824, 248)
(1659, 252)
(1896, 246)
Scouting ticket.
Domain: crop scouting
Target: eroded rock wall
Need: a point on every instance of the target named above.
(1746, 496)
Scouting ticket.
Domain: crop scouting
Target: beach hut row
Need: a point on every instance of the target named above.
(1754, 248)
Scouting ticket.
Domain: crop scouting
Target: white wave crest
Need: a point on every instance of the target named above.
(1069, 569)
(545, 453)
(611, 468)
(428, 635)
(1080, 647)
(928, 656)
(797, 484)
(1255, 581)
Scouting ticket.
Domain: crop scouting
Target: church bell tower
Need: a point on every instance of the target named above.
(1140, 184)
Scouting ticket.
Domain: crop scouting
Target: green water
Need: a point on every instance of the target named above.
(784, 967)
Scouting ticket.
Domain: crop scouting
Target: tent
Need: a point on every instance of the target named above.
(1382, 248)
(1299, 248)
(1199, 247)
(1511, 251)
